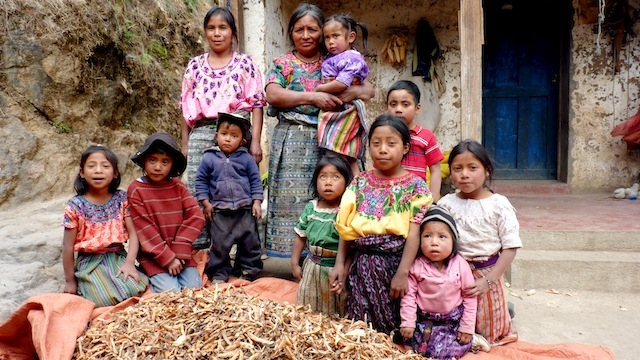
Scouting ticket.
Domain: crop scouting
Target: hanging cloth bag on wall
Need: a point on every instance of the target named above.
(426, 52)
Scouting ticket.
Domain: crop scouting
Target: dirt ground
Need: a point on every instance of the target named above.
(542, 315)
(579, 317)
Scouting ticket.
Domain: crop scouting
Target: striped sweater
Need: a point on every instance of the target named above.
(167, 220)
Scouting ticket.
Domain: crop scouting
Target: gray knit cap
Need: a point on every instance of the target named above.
(436, 213)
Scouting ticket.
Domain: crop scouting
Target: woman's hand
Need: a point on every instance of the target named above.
(325, 101)
(256, 151)
(175, 267)
(399, 286)
(128, 269)
(256, 134)
(364, 92)
(185, 130)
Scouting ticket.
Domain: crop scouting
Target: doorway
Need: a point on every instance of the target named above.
(522, 86)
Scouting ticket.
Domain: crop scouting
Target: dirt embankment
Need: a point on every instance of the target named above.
(77, 73)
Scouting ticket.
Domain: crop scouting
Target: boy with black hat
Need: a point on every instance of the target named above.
(229, 187)
(167, 218)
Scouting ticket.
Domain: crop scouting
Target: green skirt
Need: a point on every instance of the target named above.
(97, 280)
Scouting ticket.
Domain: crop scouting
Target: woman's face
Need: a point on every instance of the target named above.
(306, 35)
(219, 34)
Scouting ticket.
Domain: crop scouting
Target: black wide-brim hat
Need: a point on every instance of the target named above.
(167, 143)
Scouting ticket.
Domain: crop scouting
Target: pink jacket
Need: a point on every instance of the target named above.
(438, 291)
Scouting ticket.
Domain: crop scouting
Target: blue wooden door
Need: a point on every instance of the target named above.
(521, 61)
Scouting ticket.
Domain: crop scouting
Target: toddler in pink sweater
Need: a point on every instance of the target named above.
(436, 320)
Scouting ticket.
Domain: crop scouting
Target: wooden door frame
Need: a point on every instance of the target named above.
(471, 27)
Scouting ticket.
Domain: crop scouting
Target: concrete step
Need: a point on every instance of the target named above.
(603, 271)
(530, 187)
(572, 240)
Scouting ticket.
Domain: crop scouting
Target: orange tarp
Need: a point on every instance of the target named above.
(47, 326)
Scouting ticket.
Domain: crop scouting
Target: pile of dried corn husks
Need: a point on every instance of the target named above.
(229, 324)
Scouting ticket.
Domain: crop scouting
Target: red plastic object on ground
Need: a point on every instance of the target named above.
(630, 131)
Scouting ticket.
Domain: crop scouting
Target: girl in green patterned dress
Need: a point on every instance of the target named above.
(316, 230)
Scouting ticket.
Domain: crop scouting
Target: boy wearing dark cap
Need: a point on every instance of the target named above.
(167, 218)
(229, 187)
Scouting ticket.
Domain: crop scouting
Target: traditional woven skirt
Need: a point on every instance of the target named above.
(201, 137)
(294, 155)
(344, 132)
(436, 335)
(314, 288)
(375, 262)
(492, 319)
(97, 280)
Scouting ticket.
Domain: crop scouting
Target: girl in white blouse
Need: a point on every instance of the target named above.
(489, 237)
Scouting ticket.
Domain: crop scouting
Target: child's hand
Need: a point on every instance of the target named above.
(320, 88)
(399, 286)
(127, 269)
(207, 209)
(296, 270)
(407, 332)
(71, 287)
(337, 278)
(256, 209)
(464, 338)
(175, 267)
(479, 287)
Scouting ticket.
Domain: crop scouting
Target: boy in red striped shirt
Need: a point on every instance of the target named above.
(166, 216)
(403, 100)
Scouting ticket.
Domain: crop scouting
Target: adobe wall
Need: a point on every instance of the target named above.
(599, 98)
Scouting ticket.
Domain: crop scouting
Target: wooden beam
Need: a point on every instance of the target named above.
(236, 8)
(470, 23)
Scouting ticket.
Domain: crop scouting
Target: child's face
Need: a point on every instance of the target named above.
(468, 174)
(402, 104)
(387, 150)
(219, 34)
(336, 38)
(157, 167)
(229, 137)
(436, 242)
(98, 171)
(331, 184)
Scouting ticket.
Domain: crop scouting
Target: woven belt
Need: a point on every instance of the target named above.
(483, 264)
(322, 252)
(205, 122)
